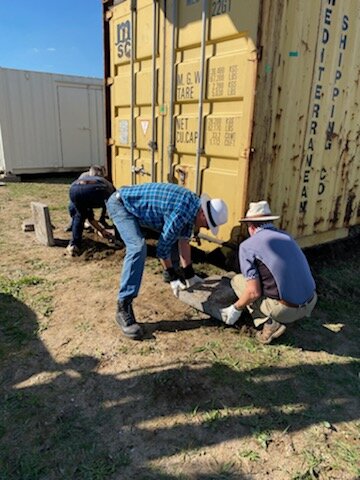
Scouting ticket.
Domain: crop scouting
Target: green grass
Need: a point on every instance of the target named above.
(15, 287)
(349, 454)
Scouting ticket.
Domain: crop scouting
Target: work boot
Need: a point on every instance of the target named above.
(271, 330)
(126, 320)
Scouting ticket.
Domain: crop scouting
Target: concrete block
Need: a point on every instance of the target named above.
(42, 222)
(211, 295)
(28, 226)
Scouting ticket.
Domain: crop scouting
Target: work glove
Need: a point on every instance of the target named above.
(177, 286)
(230, 315)
(175, 283)
(190, 277)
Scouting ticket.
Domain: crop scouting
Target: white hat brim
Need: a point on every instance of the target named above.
(260, 219)
(204, 199)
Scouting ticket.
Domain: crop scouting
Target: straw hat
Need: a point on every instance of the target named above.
(259, 212)
(215, 210)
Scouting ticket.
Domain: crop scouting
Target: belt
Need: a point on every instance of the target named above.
(86, 182)
(294, 305)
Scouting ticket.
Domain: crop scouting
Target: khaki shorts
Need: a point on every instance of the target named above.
(265, 308)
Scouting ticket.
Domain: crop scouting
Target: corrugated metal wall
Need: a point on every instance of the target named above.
(307, 120)
(50, 122)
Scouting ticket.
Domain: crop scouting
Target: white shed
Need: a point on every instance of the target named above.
(50, 122)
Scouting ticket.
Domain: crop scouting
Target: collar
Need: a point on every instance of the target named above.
(266, 226)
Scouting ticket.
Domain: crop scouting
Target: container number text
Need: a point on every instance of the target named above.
(219, 7)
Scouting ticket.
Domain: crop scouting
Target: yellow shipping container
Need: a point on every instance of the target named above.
(242, 99)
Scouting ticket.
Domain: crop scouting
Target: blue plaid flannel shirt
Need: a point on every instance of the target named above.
(164, 207)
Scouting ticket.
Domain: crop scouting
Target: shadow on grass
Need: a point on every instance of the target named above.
(68, 421)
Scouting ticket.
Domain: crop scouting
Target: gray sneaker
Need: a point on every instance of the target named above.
(270, 331)
(125, 318)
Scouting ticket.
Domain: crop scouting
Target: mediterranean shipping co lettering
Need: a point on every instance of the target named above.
(318, 94)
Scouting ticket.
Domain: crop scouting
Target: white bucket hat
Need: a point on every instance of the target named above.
(259, 212)
(216, 212)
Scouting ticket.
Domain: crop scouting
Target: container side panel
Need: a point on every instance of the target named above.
(306, 134)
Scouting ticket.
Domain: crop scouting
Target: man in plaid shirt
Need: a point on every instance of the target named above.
(174, 212)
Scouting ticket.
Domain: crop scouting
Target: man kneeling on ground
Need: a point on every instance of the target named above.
(276, 284)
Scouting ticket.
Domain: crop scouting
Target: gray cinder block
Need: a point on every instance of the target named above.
(211, 295)
(42, 222)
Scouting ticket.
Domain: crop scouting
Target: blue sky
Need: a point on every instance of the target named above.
(56, 36)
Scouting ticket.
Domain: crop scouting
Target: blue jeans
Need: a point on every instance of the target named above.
(131, 234)
(83, 198)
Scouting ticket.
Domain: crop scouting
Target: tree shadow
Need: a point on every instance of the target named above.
(21, 352)
(69, 421)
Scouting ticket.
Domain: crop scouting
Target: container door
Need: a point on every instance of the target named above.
(215, 62)
(75, 131)
(133, 87)
(181, 85)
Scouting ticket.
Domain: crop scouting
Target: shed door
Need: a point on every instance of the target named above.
(75, 131)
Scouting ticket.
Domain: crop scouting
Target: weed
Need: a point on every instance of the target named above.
(147, 350)
(15, 287)
(43, 304)
(210, 347)
(248, 344)
(224, 470)
(101, 465)
(250, 455)
(263, 439)
(312, 464)
(212, 417)
(194, 411)
(123, 350)
(350, 455)
(84, 327)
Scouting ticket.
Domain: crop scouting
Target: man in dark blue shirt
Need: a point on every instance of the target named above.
(174, 212)
(86, 193)
(276, 284)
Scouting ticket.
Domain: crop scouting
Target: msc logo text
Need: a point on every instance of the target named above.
(123, 39)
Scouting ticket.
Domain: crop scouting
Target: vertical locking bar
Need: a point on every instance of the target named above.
(132, 91)
(171, 146)
(153, 144)
(200, 139)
